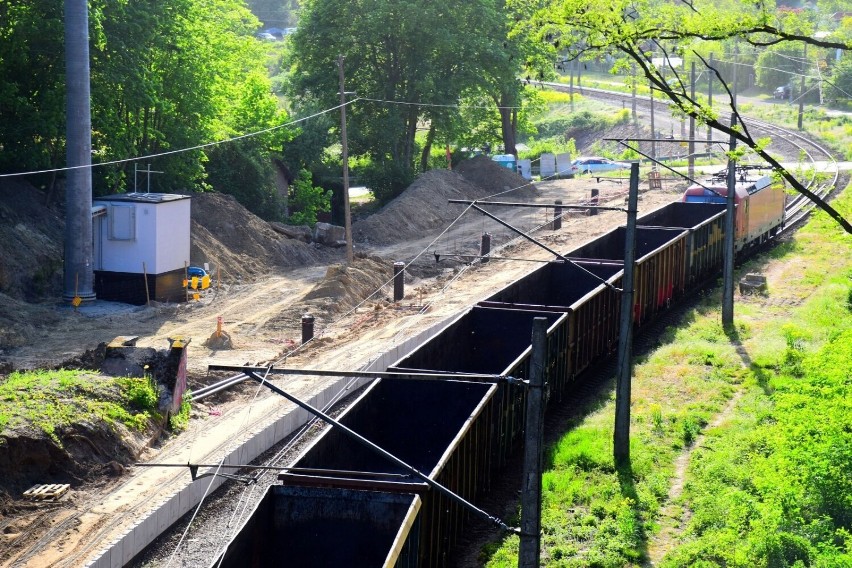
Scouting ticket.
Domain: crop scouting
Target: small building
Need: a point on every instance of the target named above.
(141, 247)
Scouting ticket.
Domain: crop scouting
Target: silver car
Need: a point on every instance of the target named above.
(594, 164)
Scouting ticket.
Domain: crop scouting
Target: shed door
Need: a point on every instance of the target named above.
(121, 223)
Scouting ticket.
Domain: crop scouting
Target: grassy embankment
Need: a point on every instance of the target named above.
(51, 401)
(762, 417)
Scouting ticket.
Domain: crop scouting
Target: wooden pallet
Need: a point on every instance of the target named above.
(45, 492)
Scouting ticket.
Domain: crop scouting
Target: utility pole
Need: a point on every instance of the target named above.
(621, 438)
(802, 85)
(79, 276)
(710, 72)
(730, 223)
(690, 171)
(530, 545)
(346, 211)
(653, 128)
(633, 93)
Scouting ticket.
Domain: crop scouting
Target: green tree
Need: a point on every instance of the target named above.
(841, 80)
(411, 64)
(164, 76)
(306, 200)
(32, 87)
(643, 29)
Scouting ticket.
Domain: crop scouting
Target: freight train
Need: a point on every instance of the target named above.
(341, 504)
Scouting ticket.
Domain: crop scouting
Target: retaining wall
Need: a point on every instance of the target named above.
(121, 550)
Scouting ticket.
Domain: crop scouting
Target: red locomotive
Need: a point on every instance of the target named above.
(759, 203)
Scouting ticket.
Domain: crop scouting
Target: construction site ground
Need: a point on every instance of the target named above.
(261, 313)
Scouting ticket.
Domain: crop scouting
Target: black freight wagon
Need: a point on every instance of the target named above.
(492, 341)
(704, 244)
(583, 290)
(440, 427)
(659, 275)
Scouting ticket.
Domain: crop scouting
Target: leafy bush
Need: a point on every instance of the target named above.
(306, 200)
(387, 179)
(178, 422)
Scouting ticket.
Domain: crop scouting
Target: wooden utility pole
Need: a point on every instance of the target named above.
(730, 223)
(802, 85)
(346, 210)
(621, 438)
(530, 545)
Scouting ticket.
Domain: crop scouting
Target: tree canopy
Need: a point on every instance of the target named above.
(164, 76)
(640, 30)
(410, 64)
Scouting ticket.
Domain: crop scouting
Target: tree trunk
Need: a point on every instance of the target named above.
(427, 148)
(508, 123)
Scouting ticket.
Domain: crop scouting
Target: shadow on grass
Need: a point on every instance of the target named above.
(760, 374)
(626, 481)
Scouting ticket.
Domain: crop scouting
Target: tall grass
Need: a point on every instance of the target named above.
(52, 400)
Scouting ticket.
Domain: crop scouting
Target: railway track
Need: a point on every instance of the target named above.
(817, 161)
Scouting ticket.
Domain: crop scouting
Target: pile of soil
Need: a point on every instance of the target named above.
(423, 206)
(341, 289)
(32, 234)
(87, 450)
(241, 245)
(494, 178)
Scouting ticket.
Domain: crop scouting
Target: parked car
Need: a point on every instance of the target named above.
(782, 92)
(594, 164)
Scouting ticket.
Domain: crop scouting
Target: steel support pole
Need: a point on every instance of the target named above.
(730, 219)
(691, 160)
(710, 72)
(621, 437)
(530, 545)
(78, 274)
(799, 122)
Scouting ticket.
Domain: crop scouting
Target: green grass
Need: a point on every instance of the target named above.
(53, 400)
(771, 484)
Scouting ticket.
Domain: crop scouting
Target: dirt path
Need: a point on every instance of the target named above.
(674, 514)
(96, 514)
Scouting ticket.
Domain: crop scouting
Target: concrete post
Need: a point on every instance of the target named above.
(621, 438)
(530, 546)
(485, 247)
(557, 216)
(307, 328)
(398, 281)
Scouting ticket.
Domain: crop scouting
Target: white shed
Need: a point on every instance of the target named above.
(141, 236)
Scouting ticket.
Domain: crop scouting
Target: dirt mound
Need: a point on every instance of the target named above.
(341, 289)
(494, 178)
(32, 237)
(420, 208)
(591, 141)
(240, 244)
(29, 457)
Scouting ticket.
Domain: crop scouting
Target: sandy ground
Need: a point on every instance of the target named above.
(262, 319)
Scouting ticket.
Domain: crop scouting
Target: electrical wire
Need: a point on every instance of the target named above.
(182, 150)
